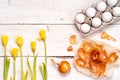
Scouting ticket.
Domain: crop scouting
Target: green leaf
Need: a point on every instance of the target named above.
(7, 66)
(29, 66)
(45, 71)
(26, 76)
(42, 71)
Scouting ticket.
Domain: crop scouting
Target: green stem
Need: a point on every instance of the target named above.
(21, 63)
(5, 75)
(34, 67)
(45, 59)
(45, 52)
(14, 69)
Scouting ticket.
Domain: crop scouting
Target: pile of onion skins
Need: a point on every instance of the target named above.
(94, 57)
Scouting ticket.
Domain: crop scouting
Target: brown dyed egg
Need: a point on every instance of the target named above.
(64, 67)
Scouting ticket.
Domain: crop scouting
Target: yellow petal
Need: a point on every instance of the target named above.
(42, 34)
(14, 53)
(19, 41)
(4, 40)
(33, 46)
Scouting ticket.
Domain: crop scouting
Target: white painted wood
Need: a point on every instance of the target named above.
(53, 73)
(41, 11)
(19, 17)
(57, 38)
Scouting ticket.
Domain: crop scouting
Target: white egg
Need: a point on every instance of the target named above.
(90, 12)
(80, 18)
(101, 6)
(107, 17)
(112, 2)
(116, 11)
(85, 28)
(96, 22)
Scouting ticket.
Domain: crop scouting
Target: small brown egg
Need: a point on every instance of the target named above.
(64, 67)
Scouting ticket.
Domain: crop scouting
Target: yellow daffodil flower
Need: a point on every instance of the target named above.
(42, 34)
(14, 53)
(33, 70)
(43, 67)
(4, 40)
(19, 41)
(33, 46)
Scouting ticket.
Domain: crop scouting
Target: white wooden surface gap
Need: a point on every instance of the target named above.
(57, 38)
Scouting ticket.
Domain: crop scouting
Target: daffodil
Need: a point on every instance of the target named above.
(33, 46)
(33, 71)
(19, 42)
(6, 59)
(43, 67)
(14, 53)
(4, 40)
(42, 34)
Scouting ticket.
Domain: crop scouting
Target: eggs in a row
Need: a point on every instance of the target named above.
(96, 21)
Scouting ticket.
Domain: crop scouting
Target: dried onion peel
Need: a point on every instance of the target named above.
(107, 36)
(97, 58)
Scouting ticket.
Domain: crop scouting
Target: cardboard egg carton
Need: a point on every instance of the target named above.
(110, 7)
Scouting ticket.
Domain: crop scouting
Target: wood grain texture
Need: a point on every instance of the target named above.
(57, 38)
(26, 17)
(41, 11)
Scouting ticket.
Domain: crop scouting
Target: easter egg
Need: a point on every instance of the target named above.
(112, 2)
(90, 12)
(96, 22)
(85, 28)
(107, 17)
(116, 11)
(80, 18)
(101, 6)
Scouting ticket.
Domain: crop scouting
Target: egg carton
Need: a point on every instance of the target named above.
(97, 16)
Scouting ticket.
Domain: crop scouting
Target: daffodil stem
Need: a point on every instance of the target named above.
(21, 63)
(45, 59)
(45, 52)
(34, 67)
(5, 75)
(14, 69)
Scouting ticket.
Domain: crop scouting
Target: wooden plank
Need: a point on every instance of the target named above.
(52, 70)
(41, 11)
(57, 38)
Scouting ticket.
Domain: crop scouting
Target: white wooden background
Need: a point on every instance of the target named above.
(27, 17)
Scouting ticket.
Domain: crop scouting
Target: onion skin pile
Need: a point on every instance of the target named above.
(94, 57)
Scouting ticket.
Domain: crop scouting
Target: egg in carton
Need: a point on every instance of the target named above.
(97, 16)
